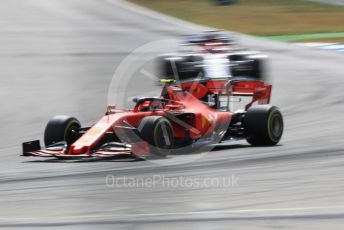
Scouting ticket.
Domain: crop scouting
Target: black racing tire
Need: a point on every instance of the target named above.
(263, 125)
(258, 65)
(60, 128)
(253, 66)
(152, 129)
(179, 67)
(170, 67)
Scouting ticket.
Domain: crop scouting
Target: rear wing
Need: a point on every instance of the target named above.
(255, 92)
(229, 95)
(260, 91)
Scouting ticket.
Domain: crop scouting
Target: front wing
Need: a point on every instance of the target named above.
(138, 150)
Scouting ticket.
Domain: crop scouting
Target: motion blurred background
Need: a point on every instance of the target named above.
(59, 57)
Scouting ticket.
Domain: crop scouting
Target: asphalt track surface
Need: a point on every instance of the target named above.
(59, 56)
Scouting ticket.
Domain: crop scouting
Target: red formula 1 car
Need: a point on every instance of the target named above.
(194, 113)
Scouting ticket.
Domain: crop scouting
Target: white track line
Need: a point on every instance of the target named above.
(215, 214)
(338, 47)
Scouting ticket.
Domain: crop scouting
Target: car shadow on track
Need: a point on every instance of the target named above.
(230, 146)
(54, 160)
(219, 147)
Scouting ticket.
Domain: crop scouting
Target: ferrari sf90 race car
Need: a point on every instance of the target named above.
(212, 55)
(196, 113)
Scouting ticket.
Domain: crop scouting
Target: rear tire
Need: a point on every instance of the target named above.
(60, 128)
(249, 66)
(170, 66)
(158, 132)
(179, 67)
(258, 65)
(263, 125)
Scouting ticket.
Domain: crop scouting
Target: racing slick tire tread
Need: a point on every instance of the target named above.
(258, 68)
(59, 129)
(174, 67)
(255, 67)
(151, 131)
(263, 125)
(170, 67)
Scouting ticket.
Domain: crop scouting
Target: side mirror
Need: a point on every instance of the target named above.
(111, 109)
(135, 99)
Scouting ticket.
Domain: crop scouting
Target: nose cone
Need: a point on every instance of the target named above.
(91, 138)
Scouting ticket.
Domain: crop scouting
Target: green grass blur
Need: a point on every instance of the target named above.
(256, 17)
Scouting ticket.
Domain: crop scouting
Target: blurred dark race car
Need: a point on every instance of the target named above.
(212, 55)
(210, 37)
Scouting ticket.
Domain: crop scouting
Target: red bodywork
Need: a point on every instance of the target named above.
(183, 99)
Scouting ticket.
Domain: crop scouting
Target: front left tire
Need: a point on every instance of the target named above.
(158, 132)
(61, 128)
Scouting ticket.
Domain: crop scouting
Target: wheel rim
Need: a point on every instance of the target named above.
(68, 135)
(276, 126)
(164, 137)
